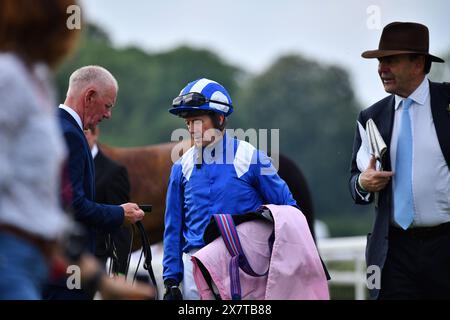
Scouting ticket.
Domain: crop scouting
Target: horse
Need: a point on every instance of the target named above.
(149, 169)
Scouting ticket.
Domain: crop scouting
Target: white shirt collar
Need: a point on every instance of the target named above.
(94, 151)
(419, 95)
(73, 114)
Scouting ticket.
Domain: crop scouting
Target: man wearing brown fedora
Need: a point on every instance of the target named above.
(410, 241)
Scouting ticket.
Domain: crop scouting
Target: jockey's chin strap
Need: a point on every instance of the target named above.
(238, 260)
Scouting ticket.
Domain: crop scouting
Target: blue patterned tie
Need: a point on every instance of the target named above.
(403, 193)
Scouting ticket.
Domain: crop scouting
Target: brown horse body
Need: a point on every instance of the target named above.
(149, 169)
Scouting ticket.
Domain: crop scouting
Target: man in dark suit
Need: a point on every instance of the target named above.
(90, 98)
(410, 241)
(111, 187)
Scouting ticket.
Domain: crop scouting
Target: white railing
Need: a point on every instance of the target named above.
(348, 249)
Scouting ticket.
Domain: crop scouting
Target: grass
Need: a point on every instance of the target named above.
(342, 292)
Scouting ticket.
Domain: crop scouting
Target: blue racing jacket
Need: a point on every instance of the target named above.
(231, 177)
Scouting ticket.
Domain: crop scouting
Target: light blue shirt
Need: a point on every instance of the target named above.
(242, 184)
(431, 175)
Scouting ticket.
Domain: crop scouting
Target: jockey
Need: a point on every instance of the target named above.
(219, 174)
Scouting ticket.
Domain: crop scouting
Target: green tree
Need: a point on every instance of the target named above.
(315, 109)
(313, 106)
(147, 84)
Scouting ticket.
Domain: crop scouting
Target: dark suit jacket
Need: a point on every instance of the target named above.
(90, 214)
(382, 114)
(81, 170)
(111, 181)
(112, 186)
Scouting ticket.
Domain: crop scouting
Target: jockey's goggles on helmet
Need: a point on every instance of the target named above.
(194, 99)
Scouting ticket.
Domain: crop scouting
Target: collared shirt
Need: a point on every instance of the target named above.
(73, 114)
(431, 175)
(233, 177)
(94, 151)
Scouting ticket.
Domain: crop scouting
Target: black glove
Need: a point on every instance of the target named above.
(172, 290)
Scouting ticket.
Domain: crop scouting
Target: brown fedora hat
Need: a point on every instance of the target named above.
(400, 38)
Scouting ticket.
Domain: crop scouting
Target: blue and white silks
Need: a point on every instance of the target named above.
(235, 178)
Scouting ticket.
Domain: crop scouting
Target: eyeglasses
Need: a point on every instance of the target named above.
(194, 99)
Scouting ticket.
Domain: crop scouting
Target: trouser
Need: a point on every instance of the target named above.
(417, 264)
(23, 269)
(189, 288)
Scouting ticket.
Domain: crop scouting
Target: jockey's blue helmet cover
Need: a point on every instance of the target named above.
(217, 98)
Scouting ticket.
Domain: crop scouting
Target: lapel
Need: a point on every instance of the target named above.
(90, 166)
(90, 162)
(100, 166)
(385, 123)
(441, 117)
(65, 115)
